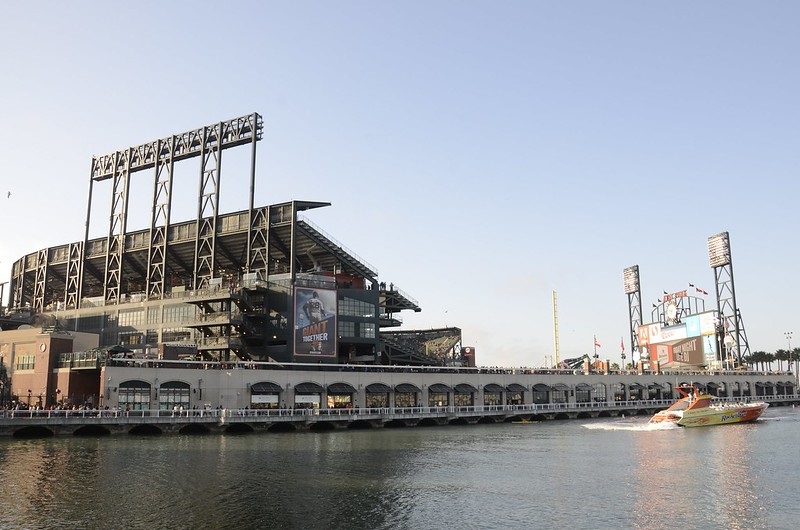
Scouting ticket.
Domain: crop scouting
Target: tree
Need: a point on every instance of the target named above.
(758, 357)
(780, 356)
(769, 359)
(794, 356)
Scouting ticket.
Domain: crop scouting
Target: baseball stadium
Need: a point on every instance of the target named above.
(260, 308)
(224, 286)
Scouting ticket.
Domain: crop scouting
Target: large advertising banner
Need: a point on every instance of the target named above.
(693, 326)
(688, 351)
(663, 354)
(656, 334)
(710, 349)
(671, 333)
(646, 331)
(315, 322)
(708, 323)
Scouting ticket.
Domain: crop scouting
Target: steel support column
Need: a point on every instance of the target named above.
(729, 314)
(115, 246)
(635, 319)
(74, 265)
(258, 238)
(40, 283)
(159, 222)
(207, 206)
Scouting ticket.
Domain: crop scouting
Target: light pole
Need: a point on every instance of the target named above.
(788, 335)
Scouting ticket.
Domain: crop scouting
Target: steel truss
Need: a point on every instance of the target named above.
(207, 143)
(731, 327)
(634, 319)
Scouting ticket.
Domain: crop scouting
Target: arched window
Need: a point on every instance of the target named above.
(173, 395)
(134, 395)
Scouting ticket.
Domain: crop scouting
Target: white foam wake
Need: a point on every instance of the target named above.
(631, 426)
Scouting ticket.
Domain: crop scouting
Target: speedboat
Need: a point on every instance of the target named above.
(695, 409)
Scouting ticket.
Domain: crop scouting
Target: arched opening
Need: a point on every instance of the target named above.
(174, 396)
(134, 395)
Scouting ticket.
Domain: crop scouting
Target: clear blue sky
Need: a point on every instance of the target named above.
(480, 154)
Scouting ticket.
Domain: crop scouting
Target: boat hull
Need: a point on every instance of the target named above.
(711, 415)
(721, 415)
(698, 409)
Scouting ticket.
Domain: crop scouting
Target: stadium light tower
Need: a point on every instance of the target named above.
(719, 257)
(630, 279)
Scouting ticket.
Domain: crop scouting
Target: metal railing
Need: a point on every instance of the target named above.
(303, 414)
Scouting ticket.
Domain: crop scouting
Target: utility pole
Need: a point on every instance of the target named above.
(792, 357)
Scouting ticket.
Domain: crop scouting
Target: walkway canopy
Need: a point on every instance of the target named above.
(493, 387)
(637, 386)
(265, 387)
(341, 388)
(378, 388)
(174, 384)
(560, 387)
(307, 388)
(406, 388)
(465, 388)
(515, 387)
(134, 383)
(439, 388)
(541, 387)
(583, 387)
(655, 386)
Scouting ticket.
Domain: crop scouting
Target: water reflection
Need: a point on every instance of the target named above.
(700, 476)
(601, 474)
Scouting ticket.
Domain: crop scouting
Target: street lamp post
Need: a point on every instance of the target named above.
(788, 335)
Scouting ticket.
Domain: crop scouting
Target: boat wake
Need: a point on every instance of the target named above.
(629, 426)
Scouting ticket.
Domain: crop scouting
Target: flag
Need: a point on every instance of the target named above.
(691, 285)
(621, 345)
(699, 290)
(665, 292)
(597, 343)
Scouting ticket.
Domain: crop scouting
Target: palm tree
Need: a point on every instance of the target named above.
(780, 356)
(769, 359)
(794, 356)
(758, 357)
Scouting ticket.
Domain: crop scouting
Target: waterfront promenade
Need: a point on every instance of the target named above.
(41, 423)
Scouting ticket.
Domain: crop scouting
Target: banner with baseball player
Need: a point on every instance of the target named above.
(315, 322)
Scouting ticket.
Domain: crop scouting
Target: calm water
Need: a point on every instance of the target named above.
(569, 474)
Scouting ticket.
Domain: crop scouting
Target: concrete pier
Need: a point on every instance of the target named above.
(222, 421)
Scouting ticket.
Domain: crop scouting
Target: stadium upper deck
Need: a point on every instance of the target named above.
(225, 285)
